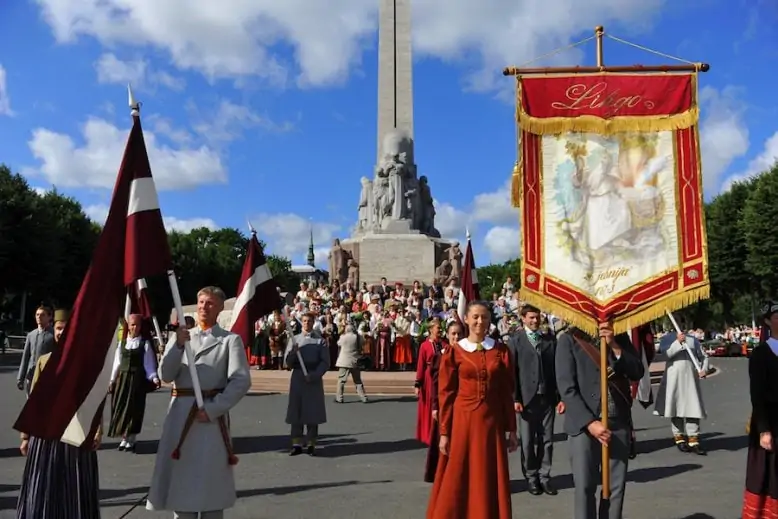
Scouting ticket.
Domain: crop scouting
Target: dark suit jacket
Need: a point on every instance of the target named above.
(578, 380)
(528, 363)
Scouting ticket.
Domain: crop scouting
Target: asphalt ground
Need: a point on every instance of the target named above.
(369, 465)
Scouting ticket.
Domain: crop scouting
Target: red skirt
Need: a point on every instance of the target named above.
(403, 353)
(760, 500)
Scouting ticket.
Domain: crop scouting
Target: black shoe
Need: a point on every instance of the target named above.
(121, 447)
(548, 488)
(338, 400)
(698, 450)
(682, 446)
(533, 487)
(296, 451)
(311, 450)
(130, 448)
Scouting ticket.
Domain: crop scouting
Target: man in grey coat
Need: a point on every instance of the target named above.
(306, 408)
(578, 381)
(38, 342)
(347, 363)
(193, 471)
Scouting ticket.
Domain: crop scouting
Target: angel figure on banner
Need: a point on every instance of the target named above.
(606, 191)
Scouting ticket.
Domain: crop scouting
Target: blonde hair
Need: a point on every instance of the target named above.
(212, 291)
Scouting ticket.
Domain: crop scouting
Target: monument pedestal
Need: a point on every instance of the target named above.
(400, 258)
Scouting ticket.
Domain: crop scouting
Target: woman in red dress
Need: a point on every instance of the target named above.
(476, 409)
(453, 334)
(423, 387)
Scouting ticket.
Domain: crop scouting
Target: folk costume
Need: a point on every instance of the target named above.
(385, 332)
(428, 352)
(578, 380)
(193, 471)
(760, 500)
(679, 397)
(277, 336)
(134, 374)
(60, 481)
(306, 408)
(403, 347)
(476, 409)
(433, 451)
(536, 391)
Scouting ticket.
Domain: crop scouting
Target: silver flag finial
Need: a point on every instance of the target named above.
(134, 105)
(467, 233)
(251, 227)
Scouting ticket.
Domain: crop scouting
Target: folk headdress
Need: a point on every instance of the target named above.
(768, 309)
(61, 315)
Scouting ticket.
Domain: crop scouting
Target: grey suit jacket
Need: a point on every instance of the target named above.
(34, 348)
(527, 364)
(350, 349)
(578, 380)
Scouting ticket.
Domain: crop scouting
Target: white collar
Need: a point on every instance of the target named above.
(470, 347)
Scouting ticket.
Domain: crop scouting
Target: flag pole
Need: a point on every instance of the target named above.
(142, 285)
(135, 112)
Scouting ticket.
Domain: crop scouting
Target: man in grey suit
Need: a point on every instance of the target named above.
(348, 363)
(578, 380)
(536, 399)
(39, 342)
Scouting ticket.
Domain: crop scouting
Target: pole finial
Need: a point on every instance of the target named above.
(252, 230)
(134, 105)
(467, 233)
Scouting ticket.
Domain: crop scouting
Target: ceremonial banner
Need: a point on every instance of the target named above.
(610, 190)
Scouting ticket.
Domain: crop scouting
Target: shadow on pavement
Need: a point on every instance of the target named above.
(644, 475)
(711, 442)
(9, 502)
(356, 448)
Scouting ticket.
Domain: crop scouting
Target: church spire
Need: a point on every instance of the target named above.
(311, 256)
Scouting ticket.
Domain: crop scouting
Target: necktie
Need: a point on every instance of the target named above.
(479, 347)
(533, 337)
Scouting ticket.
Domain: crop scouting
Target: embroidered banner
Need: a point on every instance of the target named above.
(610, 191)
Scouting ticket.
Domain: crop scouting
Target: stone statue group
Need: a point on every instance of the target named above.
(396, 193)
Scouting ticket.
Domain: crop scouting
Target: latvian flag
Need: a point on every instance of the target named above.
(468, 285)
(257, 294)
(70, 392)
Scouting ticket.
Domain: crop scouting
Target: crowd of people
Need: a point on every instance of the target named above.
(475, 385)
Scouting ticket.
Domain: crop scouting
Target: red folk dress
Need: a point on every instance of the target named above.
(476, 411)
(424, 381)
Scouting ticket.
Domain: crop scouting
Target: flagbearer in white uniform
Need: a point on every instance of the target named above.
(193, 472)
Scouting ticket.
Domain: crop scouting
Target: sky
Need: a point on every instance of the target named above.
(265, 111)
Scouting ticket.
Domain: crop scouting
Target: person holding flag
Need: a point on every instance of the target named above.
(193, 469)
(60, 480)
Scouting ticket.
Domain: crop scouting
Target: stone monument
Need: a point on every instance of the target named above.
(395, 235)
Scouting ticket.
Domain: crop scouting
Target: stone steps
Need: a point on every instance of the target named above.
(391, 383)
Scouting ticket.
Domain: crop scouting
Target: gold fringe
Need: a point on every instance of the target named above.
(621, 323)
(516, 182)
(594, 124)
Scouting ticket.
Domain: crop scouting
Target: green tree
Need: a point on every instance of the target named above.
(727, 248)
(491, 277)
(760, 213)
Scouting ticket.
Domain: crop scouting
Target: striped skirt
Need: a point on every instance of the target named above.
(60, 482)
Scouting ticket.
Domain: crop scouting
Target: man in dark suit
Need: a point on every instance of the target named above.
(578, 380)
(536, 399)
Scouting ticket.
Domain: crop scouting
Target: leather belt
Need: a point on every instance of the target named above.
(190, 419)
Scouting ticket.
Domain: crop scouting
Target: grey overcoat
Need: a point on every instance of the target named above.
(306, 399)
(201, 479)
(679, 393)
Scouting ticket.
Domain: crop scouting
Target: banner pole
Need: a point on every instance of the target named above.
(606, 472)
(599, 31)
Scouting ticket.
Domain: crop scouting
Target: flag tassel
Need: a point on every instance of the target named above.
(198, 392)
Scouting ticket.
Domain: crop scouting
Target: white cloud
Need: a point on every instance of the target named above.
(99, 212)
(495, 207)
(5, 100)
(758, 165)
(723, 133)
(241, 39)
(449, 220)
(64, 163)
(228, 122)
(503, 243)
(289, 235)
(111, 69)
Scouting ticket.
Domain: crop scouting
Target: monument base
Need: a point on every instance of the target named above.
(402, 258)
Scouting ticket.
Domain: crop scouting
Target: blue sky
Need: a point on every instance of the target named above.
(266, 110)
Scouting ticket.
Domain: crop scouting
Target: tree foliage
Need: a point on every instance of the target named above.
(47, 242)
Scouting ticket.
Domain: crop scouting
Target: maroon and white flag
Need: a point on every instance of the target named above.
(133, 245)
(257, 293)
(468, 285)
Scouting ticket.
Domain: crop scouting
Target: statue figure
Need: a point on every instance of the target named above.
(353, 273)
(383, 197)
(443, 273)
(426, 209)
(337, 257)
(366, 204)
(455, 260)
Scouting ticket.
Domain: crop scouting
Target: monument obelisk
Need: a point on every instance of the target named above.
(395, 236)
(395, 72)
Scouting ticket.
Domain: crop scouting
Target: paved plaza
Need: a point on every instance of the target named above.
(369, 465)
